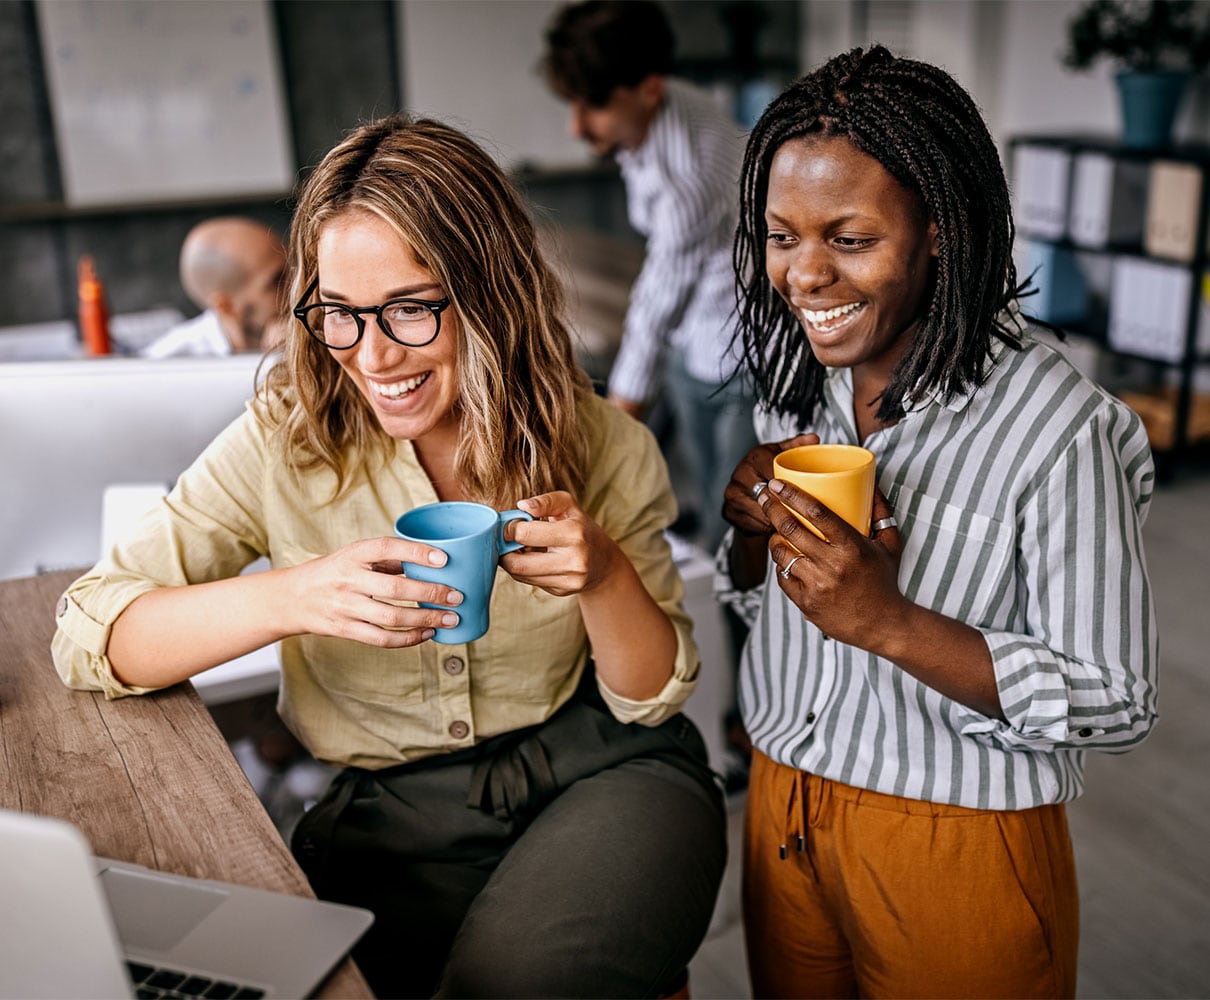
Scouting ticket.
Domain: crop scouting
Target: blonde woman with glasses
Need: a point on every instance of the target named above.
(527, 813)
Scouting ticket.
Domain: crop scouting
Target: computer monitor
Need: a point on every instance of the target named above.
(69, 429)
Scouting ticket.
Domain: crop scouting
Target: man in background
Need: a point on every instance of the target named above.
(680, 157)
(233, 269)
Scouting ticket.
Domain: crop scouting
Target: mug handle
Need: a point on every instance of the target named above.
(511, 515)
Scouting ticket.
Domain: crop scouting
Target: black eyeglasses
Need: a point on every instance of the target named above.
(410, 322)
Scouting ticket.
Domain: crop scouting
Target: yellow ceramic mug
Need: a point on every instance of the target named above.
(840, 476)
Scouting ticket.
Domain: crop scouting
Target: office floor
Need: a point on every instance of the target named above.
(1140, 829)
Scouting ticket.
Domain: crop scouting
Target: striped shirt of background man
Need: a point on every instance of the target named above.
(1021, 508)
(682, 193)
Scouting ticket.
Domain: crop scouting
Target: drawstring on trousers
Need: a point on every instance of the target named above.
(796, 823)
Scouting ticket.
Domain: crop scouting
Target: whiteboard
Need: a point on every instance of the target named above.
(156, 101)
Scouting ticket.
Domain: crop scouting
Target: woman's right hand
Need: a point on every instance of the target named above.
(350, 594)
(749, 548)
(740, 506)
(171, 633)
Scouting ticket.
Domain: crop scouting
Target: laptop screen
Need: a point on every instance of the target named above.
(57, 938)
(72, 925)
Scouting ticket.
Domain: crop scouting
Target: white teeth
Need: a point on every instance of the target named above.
(817, 316)
(397, 389)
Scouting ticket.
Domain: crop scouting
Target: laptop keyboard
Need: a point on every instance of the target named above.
(151, 983)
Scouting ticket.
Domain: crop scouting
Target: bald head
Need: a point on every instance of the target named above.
(235, 267)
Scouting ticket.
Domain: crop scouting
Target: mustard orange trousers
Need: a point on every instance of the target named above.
(851, 893)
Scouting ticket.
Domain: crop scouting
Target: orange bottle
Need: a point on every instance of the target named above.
(94, 314)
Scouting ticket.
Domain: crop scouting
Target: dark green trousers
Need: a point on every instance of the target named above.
(579, 858)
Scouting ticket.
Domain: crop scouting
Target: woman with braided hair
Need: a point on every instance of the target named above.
(920, 701)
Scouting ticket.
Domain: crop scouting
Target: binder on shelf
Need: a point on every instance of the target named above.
(1062, 294)
(1174, 193)
(1148, 310)
(1041, 182)
(1108, 197)
(1157, 406)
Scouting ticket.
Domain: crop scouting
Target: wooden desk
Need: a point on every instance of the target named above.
(148, 779)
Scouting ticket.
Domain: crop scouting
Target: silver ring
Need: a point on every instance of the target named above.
(785, 570)
(885, 522)
(758, 488)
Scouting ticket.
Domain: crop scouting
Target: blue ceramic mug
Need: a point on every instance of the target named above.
(472, 537)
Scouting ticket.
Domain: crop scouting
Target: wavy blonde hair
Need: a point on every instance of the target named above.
(465, 222)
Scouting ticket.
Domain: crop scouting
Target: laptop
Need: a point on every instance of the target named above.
(74, 925)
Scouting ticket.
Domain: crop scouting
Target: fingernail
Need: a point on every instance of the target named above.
(453, 597)
(437, 558)
(776, 485)
(428, 633)
(449, 619)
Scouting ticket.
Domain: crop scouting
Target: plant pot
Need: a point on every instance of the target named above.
(1150, 101)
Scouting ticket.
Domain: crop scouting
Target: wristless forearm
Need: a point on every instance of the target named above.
(173, 633)
(749, 560)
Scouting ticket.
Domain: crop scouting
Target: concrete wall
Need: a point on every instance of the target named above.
(472, 63)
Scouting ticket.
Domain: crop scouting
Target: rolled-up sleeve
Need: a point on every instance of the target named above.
(769, 426)
(745, 603)
(636, 507)
(1083, 673)
(84, 616)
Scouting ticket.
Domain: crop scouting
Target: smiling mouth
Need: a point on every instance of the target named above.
(831, 320)
(397, 390)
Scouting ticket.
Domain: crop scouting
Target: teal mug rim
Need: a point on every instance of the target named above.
(491, 516)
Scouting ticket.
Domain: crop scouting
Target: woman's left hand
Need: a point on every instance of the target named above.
(844, 584)
(566, 551)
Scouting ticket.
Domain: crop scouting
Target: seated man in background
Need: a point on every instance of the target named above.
(232, 268)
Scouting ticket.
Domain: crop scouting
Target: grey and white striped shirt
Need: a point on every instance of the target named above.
(1020, 507)
(682, 193)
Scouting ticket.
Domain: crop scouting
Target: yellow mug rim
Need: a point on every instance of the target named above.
(859, 458)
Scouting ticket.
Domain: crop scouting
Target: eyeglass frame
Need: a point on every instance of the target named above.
(358, 312)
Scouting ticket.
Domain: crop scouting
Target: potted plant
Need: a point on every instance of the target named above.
(1156, 44)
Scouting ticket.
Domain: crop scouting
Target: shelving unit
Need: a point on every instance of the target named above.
(1177, 419)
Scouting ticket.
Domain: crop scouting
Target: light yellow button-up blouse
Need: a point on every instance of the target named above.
(355, 704)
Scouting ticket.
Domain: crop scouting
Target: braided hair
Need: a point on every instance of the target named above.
(924, 129)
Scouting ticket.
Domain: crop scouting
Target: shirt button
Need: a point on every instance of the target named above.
(459, 729)
(810, 716)
(61, 607)
(454, 666)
